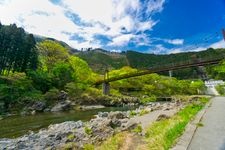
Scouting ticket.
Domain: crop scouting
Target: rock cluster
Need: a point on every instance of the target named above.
(57, 135)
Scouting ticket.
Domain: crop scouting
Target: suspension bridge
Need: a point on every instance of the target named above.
(157, 69)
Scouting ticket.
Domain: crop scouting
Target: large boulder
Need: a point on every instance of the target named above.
(117, 115)
(61, 106)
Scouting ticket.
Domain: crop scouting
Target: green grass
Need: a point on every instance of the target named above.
(133, 113)
(143, 112)
(138, 129)
(113, 143)
(163, 134)
(89, 147)
(199, 124)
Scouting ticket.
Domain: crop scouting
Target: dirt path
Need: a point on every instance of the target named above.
(136, 142)
(133, 142)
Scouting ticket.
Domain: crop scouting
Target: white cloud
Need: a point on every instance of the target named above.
(121, 40)
(175, 41)
(190, 48)
(219, 44)
(155, 5)
(120, 18)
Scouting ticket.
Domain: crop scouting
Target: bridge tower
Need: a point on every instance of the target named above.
(106, 85)
(170, 73)
(223, 32)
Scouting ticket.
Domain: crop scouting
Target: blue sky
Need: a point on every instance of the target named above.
(150, 26)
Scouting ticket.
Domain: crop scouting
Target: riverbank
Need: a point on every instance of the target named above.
(17, 125)
(81, 133)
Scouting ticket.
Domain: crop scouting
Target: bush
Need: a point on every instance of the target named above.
(51, 96)
(17, 88)
(42, 80)
(220, 89)
(75, 89)
(133, 113)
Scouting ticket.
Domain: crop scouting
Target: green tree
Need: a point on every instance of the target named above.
(51, 53)
(62, 74)
(17, 50)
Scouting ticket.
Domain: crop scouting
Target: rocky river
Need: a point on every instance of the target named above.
(104, 125)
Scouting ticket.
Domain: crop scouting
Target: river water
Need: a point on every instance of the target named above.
(15, 126)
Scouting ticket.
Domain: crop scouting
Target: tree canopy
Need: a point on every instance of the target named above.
(17, 50)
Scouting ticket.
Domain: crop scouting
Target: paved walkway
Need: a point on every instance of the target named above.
(212, 135)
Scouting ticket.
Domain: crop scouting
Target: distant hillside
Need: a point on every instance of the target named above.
(100, 60)
(141, 60)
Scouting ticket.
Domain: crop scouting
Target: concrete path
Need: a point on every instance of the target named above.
(147, 119)
(212, 91)
(212, 135)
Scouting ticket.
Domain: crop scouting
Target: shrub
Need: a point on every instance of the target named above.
(133, 113)
(51, 96)
(17, 88)
(88, 130)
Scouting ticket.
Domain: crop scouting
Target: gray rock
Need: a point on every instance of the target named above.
(162, 117)
(131, 124)
(62, 96)
(51, 137)
(103, 114)
(38, 106)
(62, 106)
(117, 115)
(33, 112)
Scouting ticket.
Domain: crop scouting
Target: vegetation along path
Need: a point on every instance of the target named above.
(210, 134)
